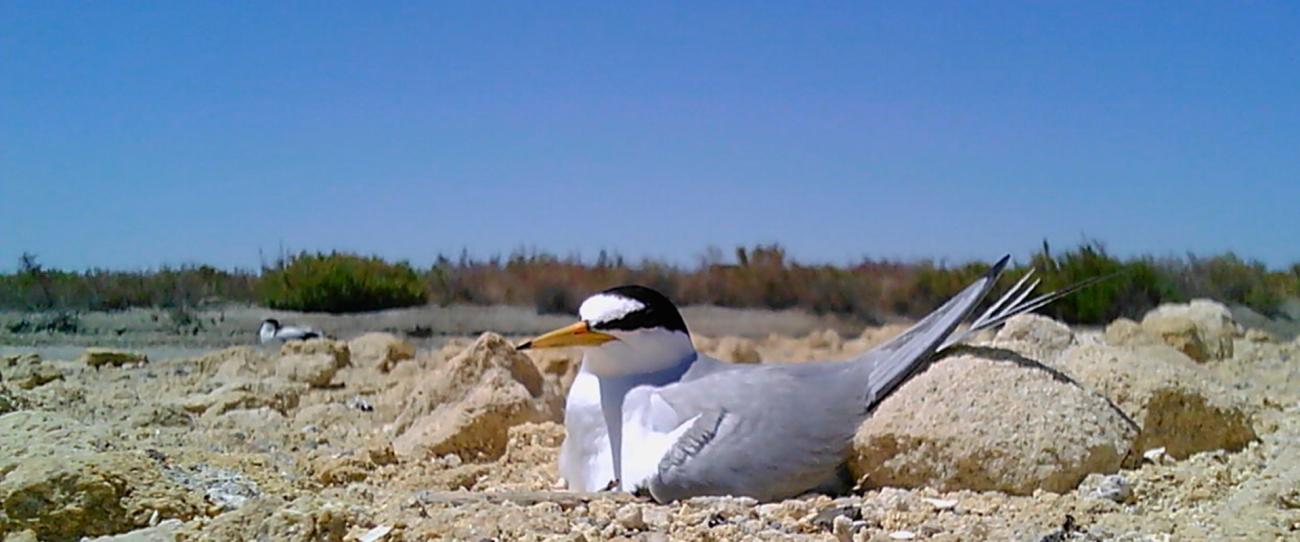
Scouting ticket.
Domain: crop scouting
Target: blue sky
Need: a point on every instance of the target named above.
(138, 134)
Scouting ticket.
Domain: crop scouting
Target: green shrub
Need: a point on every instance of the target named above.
(34, 287)
(758, 276)
(1230, 279)
(1133, 287)
(339, 282)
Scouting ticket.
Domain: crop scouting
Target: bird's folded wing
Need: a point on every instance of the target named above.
(777, 431)
(768, 433)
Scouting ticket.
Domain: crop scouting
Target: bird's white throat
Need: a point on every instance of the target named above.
(638, 352)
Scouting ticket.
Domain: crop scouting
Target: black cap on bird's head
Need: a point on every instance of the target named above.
(626, 308)
(632, 307)
(274, 323)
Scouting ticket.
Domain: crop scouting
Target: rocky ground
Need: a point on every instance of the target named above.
(1184, 426)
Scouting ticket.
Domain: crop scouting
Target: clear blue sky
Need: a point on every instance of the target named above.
(137, 134)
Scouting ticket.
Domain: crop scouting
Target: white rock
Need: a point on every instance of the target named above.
(940, 504)
(842, 528)
(1156, 455)
(377, 533)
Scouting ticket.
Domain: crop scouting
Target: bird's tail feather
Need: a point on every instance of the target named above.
(1004, 308)
(890, 364)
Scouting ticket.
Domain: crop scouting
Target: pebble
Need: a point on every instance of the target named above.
(940, 504)
(629, 517)
(375, 534)
(1157, 456)
(842, 528)
(1111, 487)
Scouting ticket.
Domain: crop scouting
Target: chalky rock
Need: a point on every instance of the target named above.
(468, 405)
(1034, 336)
(99, 357)
(1202, 329)
(380, 350)
(1177, 403)
(737, 350)
(981, 424)
(314, 362)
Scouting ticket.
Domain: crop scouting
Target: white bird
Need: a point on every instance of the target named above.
(271, 330)
(680, 424)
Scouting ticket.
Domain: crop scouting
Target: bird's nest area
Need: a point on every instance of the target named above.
(372, 439)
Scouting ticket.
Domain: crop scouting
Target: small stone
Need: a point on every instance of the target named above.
(381, 453)
(630, 517)
(828, 339)
(360, 403)
(842, 528)
(99, 357)
(825, 519)
(28, 371)
(1156, 455)
(375, 534)
(1290, 498)
(941, 504)
(1108, 487)
(316, 370)
(1202, 329)
(1125, 332)
(224, 488)
(13, 360)
(9, 402)
(382, 351)
(1260, 336)
(902, 535)
(737, 350)
(1179, 333)
(337, 349)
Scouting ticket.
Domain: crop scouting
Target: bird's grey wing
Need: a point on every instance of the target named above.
(767, 433)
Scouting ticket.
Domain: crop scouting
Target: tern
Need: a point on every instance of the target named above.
(647, 413)
(271, 330)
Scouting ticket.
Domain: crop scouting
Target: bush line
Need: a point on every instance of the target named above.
(757, 277)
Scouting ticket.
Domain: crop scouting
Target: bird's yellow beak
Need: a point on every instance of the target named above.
(577, 334)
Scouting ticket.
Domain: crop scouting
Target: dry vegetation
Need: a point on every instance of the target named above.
(760, 277)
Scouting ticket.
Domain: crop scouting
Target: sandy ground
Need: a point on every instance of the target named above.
(203, 443)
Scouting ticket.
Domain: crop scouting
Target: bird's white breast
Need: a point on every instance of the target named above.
(586, 459)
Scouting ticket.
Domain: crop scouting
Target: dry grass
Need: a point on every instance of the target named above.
(759, 277)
